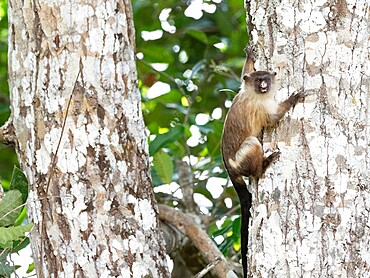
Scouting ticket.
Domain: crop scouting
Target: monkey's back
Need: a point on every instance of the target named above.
(246, 117)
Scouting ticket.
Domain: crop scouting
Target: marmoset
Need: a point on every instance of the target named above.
(253, 108)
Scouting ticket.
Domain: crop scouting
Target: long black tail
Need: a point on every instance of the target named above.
(245, 198)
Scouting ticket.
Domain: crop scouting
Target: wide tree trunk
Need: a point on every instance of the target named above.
(312, 216)
(80, 139)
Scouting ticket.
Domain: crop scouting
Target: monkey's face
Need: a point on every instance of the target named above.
(261, 81)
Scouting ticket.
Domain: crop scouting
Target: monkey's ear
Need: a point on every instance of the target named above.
(273, 73)
(247, 77)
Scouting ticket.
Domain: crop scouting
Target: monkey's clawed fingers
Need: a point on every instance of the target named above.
(301, 95)
(297, 97)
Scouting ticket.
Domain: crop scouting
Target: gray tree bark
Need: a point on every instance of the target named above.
(80, 139)
(312, 215)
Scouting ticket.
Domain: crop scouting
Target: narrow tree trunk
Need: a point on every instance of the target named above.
(77, 118)
(312, 217)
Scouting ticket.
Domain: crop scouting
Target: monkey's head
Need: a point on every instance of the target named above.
(261, 81)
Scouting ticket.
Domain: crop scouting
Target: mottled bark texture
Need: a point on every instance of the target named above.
(80, 139)
(312, 216)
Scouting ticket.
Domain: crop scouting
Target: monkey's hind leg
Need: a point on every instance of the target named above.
(249, 158)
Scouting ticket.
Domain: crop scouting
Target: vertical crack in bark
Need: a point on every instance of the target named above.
(54, 161)
(250, 25)
(311, 173)
(130, 26)
(38, 37)
(51, 173)
(271, 22)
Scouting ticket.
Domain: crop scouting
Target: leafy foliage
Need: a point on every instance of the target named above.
(12, 215)
(189, 70)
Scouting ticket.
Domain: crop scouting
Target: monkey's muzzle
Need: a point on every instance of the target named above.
(264, 87)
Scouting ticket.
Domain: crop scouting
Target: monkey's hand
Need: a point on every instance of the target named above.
(251, 51)
(297, 97)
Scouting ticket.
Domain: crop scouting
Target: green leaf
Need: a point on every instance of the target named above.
(155, 179)
(4, 107)
(31, 268)
(213, 143)
(236, 227)
(223, 22)
(174, 96)
(157, 54)
(162, 139)
(5, 184)
(19, 181)
(198, 35)
(162, 164)
(21, 217)
(221, 231)
(10, 207)
(20, 244)
(13, 233)
(225, 245)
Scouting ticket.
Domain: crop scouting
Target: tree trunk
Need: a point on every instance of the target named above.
(81, 140)
(312, 216)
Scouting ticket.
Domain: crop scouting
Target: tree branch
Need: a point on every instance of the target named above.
(201, 240)
(7, 134)
(208, 268)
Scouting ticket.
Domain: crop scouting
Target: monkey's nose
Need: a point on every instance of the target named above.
(263, 87)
